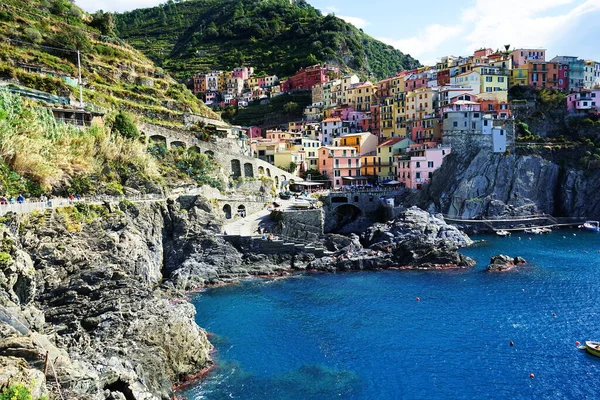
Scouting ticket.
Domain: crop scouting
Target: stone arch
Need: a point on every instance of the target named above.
(158, 139)
(248, 170)
(210, 153)
(241, 210)
(236, 168)
(269, 172)
(261, 170)
(178, 143)
(194, 149)
(346, 214)
(227, 211)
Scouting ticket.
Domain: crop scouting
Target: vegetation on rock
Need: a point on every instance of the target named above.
(276, 36)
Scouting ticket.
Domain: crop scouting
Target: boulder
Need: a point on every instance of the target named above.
(503, 263)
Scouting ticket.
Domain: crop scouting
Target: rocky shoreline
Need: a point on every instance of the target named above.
(99, 292)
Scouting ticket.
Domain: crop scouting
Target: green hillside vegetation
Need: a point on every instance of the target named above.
(116, 76)
(275, 36)
(279, 110)
(39, 155)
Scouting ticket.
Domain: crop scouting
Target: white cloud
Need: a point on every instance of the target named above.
(356, 21)
(426, 42)
(520, 23)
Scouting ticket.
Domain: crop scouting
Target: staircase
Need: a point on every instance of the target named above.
(257, 244)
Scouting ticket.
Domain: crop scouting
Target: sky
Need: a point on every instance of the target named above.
(428, 31)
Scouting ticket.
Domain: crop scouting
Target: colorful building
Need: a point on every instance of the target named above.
(520, 57)
(584, 101)
(416, 168)
(543, 74)
(364, 143)
(307, 77)
(341, 165)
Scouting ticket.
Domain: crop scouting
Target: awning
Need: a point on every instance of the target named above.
(391, 183)
(309, 183)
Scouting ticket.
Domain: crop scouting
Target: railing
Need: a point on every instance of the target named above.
(29, 205)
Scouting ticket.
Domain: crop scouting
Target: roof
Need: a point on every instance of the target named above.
(390, 142)
(334, 119)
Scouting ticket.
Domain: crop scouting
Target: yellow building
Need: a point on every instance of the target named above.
(364, 143)
(420, 103)
(361, 97)
(397, 85)
(493, 83)
(387, 127)
(222, 81)
(252, 82)
(519, 77)
(368, 164)
(399, 115)
(387, 151)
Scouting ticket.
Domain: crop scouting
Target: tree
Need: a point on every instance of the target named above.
(104, 22)
(290, 107)
(125, 126)
(315, 175)
(291, 168)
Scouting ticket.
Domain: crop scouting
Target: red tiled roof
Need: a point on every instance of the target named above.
(332, 120)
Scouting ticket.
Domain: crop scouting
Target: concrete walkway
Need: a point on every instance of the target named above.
(248, 225)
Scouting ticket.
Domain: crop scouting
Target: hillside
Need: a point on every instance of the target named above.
(38, 39)
(275, 36)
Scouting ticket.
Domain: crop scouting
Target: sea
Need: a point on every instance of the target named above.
(457, 334)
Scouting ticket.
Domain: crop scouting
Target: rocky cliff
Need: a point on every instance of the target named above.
(92, 297)
(100, 289)
(490, 185)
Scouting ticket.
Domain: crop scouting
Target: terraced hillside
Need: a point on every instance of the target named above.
(276, 36)
(38, 39)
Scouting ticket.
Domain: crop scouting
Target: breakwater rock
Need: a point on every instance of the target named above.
(415, 239)
(503, 263)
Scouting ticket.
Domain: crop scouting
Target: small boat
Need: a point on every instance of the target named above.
(533, 231)
(593, 348)
(593, 226)
(502, 232)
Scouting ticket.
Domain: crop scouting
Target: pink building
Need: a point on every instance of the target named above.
(242, 72)
(255, 132)
(584, 101)
(521, 57)
(339, 163)
(416, 168)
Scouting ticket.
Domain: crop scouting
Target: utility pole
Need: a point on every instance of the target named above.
(80, 81)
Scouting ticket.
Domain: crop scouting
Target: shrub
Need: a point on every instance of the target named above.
(33, 35)
(124, 126)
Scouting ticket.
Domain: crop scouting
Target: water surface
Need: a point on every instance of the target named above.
(364, 335)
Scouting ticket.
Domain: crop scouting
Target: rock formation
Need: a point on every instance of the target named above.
(502, 263)
(415, 239)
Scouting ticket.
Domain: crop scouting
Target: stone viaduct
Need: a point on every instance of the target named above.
(226, 152)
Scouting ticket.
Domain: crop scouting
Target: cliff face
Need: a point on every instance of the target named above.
(489, 185)
(93, 300)
(102, 293)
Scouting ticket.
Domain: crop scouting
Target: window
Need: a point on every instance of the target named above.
(429, 164)
(475, 115)
(323, 162)
(418, 164)
(336, 172)
(455, 124)
(488, 89)
(418, 175)
(500, 79)
(430, 175)
(473, 125)
(488, 79)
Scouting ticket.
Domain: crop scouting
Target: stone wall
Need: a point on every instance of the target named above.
(303, 225)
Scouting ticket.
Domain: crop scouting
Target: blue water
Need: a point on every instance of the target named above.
(363, 335)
